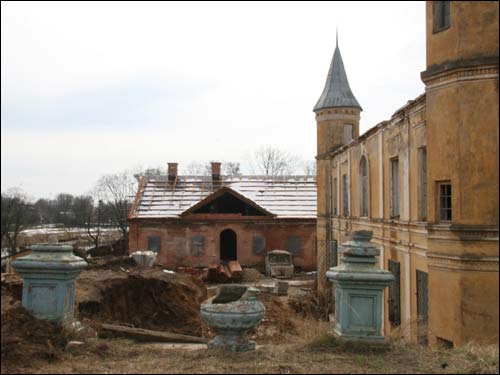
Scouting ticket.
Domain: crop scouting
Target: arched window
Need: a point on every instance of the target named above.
(363, 177)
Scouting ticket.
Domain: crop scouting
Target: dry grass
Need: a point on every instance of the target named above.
(311, 351)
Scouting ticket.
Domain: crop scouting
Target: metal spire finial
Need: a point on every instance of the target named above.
(337, 36)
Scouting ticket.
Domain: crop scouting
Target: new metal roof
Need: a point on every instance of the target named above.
(290, 197)
(337, 92)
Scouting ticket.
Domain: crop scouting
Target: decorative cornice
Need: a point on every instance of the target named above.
(460, 75)
(447, 66)
(462, 263)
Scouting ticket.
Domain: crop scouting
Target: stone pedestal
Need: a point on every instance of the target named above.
(49, 275)
(359, 286)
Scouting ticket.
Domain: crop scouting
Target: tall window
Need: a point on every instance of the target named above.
(154, 243)
(197, 245)
(395, 187)
(363, 177)
(345, 196)
(444, 201)
(395, 294)
(422, 184)
(334, 197)
(441, 15)
(347, 133)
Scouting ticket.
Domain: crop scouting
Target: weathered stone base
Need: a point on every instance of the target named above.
(376, 343)
(233, 343)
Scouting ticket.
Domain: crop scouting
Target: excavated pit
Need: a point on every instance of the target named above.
(144, 298)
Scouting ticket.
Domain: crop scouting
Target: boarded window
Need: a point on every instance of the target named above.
(334, 197)
(395, 187)
(395, 294)
(363, 176)
(197, 245)
(345, 196)
(422, 184)
(422, 306)
(445, 201)
(441, 15)
(347, 133)
(259, 245)
(154, 243)
(293, 244)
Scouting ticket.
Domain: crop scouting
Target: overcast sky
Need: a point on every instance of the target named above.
(96, 88)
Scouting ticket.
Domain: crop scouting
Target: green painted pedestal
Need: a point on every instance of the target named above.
(49, 275)
(359, 286)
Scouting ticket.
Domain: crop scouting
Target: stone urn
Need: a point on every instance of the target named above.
(233, 311)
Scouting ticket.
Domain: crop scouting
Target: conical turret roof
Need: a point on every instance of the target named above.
(337, 92)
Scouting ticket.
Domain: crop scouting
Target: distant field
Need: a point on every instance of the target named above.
(72, 236)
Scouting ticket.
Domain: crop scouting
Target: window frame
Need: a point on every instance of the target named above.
(364, 188)
(440, 208)
(154, 238)
(345, 196)
(439, 17)
(422, 183)
(395, 203)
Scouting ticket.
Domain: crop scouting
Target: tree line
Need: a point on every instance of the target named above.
(110, 200)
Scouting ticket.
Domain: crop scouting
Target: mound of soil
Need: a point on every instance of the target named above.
(25, 339)
(277, 322)
(142, 297)
(251, 274)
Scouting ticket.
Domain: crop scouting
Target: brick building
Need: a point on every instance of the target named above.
(425, 181)
(200, 220)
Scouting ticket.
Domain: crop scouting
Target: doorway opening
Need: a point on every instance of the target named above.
(228, 245)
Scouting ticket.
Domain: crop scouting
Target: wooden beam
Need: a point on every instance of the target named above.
(149, 335)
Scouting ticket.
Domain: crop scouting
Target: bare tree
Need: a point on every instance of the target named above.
(117, 190)
(16, 214)
(149, 171)
(94, 221)
(231, 169)
(271, 161)
(199, 169)
(309, 168)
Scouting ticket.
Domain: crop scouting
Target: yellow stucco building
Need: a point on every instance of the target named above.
(425, 181)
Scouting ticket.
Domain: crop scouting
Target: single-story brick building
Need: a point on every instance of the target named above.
(200, 220)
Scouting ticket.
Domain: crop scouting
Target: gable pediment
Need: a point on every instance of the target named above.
(227, 201)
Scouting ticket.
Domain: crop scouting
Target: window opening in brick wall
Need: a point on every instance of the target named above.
(395, 188)
(293, 245)
(363, 176)
(445, 213)
(345, 196)
(197, 248)
(259, 245)
(422, 184)
(441, 15)
(154, 243)
(395, 294)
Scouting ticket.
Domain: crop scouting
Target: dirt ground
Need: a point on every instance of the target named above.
(291, 339)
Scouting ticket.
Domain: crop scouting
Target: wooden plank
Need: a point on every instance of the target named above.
(234, 266)
(151, 336)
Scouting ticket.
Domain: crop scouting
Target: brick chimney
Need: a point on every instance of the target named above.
(172, 171)
(215, 171)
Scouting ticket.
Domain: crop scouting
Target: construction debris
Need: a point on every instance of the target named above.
(224, 272)
(144, 258)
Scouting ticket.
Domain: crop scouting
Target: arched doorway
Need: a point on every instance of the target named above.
(228, 245)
